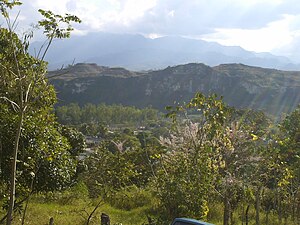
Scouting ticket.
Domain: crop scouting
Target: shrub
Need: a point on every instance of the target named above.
(130, 197)
(78, 192)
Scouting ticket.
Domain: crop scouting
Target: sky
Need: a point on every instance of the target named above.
(255, 25)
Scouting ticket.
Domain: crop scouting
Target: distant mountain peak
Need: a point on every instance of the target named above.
(136, 52)
(188, 68)
(81, 70)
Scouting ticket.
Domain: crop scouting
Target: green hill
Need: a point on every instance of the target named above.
(272, 91)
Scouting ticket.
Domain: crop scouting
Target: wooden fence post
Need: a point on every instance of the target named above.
(105, 220)
(51, 222)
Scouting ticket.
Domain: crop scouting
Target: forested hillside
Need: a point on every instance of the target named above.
(272, 91)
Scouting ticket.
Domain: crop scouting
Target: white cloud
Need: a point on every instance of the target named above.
(274, 35)
(171, 13)
(105, 15)
(292, 48)
(213, 13)
(154, 36)
(259, 25)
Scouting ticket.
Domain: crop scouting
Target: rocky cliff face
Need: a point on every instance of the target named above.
(242, 86)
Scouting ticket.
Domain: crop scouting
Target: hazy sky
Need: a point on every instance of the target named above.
(256, 25)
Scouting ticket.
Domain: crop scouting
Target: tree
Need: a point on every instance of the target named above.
(25, 89)
(245, 131)
(190, 161)
(289, 147)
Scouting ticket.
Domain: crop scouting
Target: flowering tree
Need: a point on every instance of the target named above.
(191, 158)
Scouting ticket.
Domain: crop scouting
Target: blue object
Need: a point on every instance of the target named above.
(187, 221)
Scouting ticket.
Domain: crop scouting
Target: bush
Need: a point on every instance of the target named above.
(69, 196)
(130, 198)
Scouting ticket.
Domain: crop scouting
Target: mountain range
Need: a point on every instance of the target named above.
(136, 52)
(273, 91)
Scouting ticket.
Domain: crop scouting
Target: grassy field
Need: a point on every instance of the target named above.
(77, 213)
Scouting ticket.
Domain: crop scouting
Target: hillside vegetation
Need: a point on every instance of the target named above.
(272, 91)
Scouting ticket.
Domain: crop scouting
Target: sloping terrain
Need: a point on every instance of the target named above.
(272, 91)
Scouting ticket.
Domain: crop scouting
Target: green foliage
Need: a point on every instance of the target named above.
(130, 197)
(213, 155)
(41, 144)
(35, 156)
(149, 139)
(6, 4)
(90, 114)
(72, 195)
(214, 159)
(109, 171)
(242, 86)
(52, 21)
(76, 212)
(44, 154)
(291, 127)
(27, 76)
(75, 139)
(189, 163)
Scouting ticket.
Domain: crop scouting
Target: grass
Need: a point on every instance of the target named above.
(77, 213)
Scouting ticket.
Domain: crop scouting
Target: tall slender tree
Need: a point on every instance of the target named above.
(25, 88)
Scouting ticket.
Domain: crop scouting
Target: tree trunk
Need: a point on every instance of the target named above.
(94, 210)
(298, 213)
(25, 210)
(267, 217)
(14, 170)
(105, 220)
(257, 205)
(1, 154)
(285, 220)
(51, 221)
(247, 214)
(294, 207)
(279, 211)
(226, 214)
(27, 201)
(231, 218)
